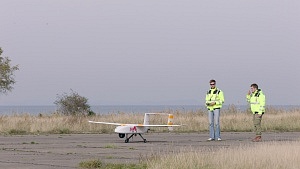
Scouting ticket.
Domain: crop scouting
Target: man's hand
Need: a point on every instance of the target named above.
(212, 103)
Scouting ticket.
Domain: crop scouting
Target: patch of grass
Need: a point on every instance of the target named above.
(232, 120)
(110, 146)
(64, 131)
(91, 164)
(104, 130)
(61, 131)
(17, 132)
(97, 164)
(275, 154)
(30, 142)
(124, 166)
(132, 148)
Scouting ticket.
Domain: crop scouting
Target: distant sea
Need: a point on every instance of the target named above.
(105, 109)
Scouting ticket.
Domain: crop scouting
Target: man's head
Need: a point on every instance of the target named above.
(253, 87)
(212, 83)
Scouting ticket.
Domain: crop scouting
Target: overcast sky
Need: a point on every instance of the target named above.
(151, 52)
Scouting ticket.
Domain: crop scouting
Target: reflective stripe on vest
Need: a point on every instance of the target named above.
(256, 95)
(215, 92)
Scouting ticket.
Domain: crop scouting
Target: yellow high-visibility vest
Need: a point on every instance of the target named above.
(214, 95)
(257, 101)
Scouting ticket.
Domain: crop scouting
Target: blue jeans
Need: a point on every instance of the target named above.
(214, 123)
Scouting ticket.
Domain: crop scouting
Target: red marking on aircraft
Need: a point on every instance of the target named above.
(133, 129)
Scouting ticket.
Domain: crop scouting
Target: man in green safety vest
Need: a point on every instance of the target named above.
(214, 100)
(257, 100)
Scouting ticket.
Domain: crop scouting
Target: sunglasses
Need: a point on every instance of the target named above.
(212, 84)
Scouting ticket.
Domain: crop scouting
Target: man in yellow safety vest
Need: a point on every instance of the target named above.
(214, 100)
(257, 100)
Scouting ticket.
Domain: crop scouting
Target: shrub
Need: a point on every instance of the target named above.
(73, 104)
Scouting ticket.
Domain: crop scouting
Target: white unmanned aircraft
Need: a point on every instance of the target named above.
(134, 129)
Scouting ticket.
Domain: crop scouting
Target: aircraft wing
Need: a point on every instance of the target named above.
(138, 125)
(99, 122)
(160, 125)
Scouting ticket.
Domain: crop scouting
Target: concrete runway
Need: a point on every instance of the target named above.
(68, 150)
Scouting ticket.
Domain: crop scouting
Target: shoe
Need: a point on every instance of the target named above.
(219, 139)
(210, 139)
(254, 139)
(257, 139)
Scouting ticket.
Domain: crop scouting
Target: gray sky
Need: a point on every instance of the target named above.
(151, 52)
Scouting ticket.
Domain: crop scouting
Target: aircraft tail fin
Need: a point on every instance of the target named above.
(170, 122)
(146, 118)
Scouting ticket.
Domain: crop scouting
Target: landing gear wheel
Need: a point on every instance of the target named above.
(126, 140)
(145, 141)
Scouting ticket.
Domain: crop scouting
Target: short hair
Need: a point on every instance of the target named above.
(254, 85)
(212, 80)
